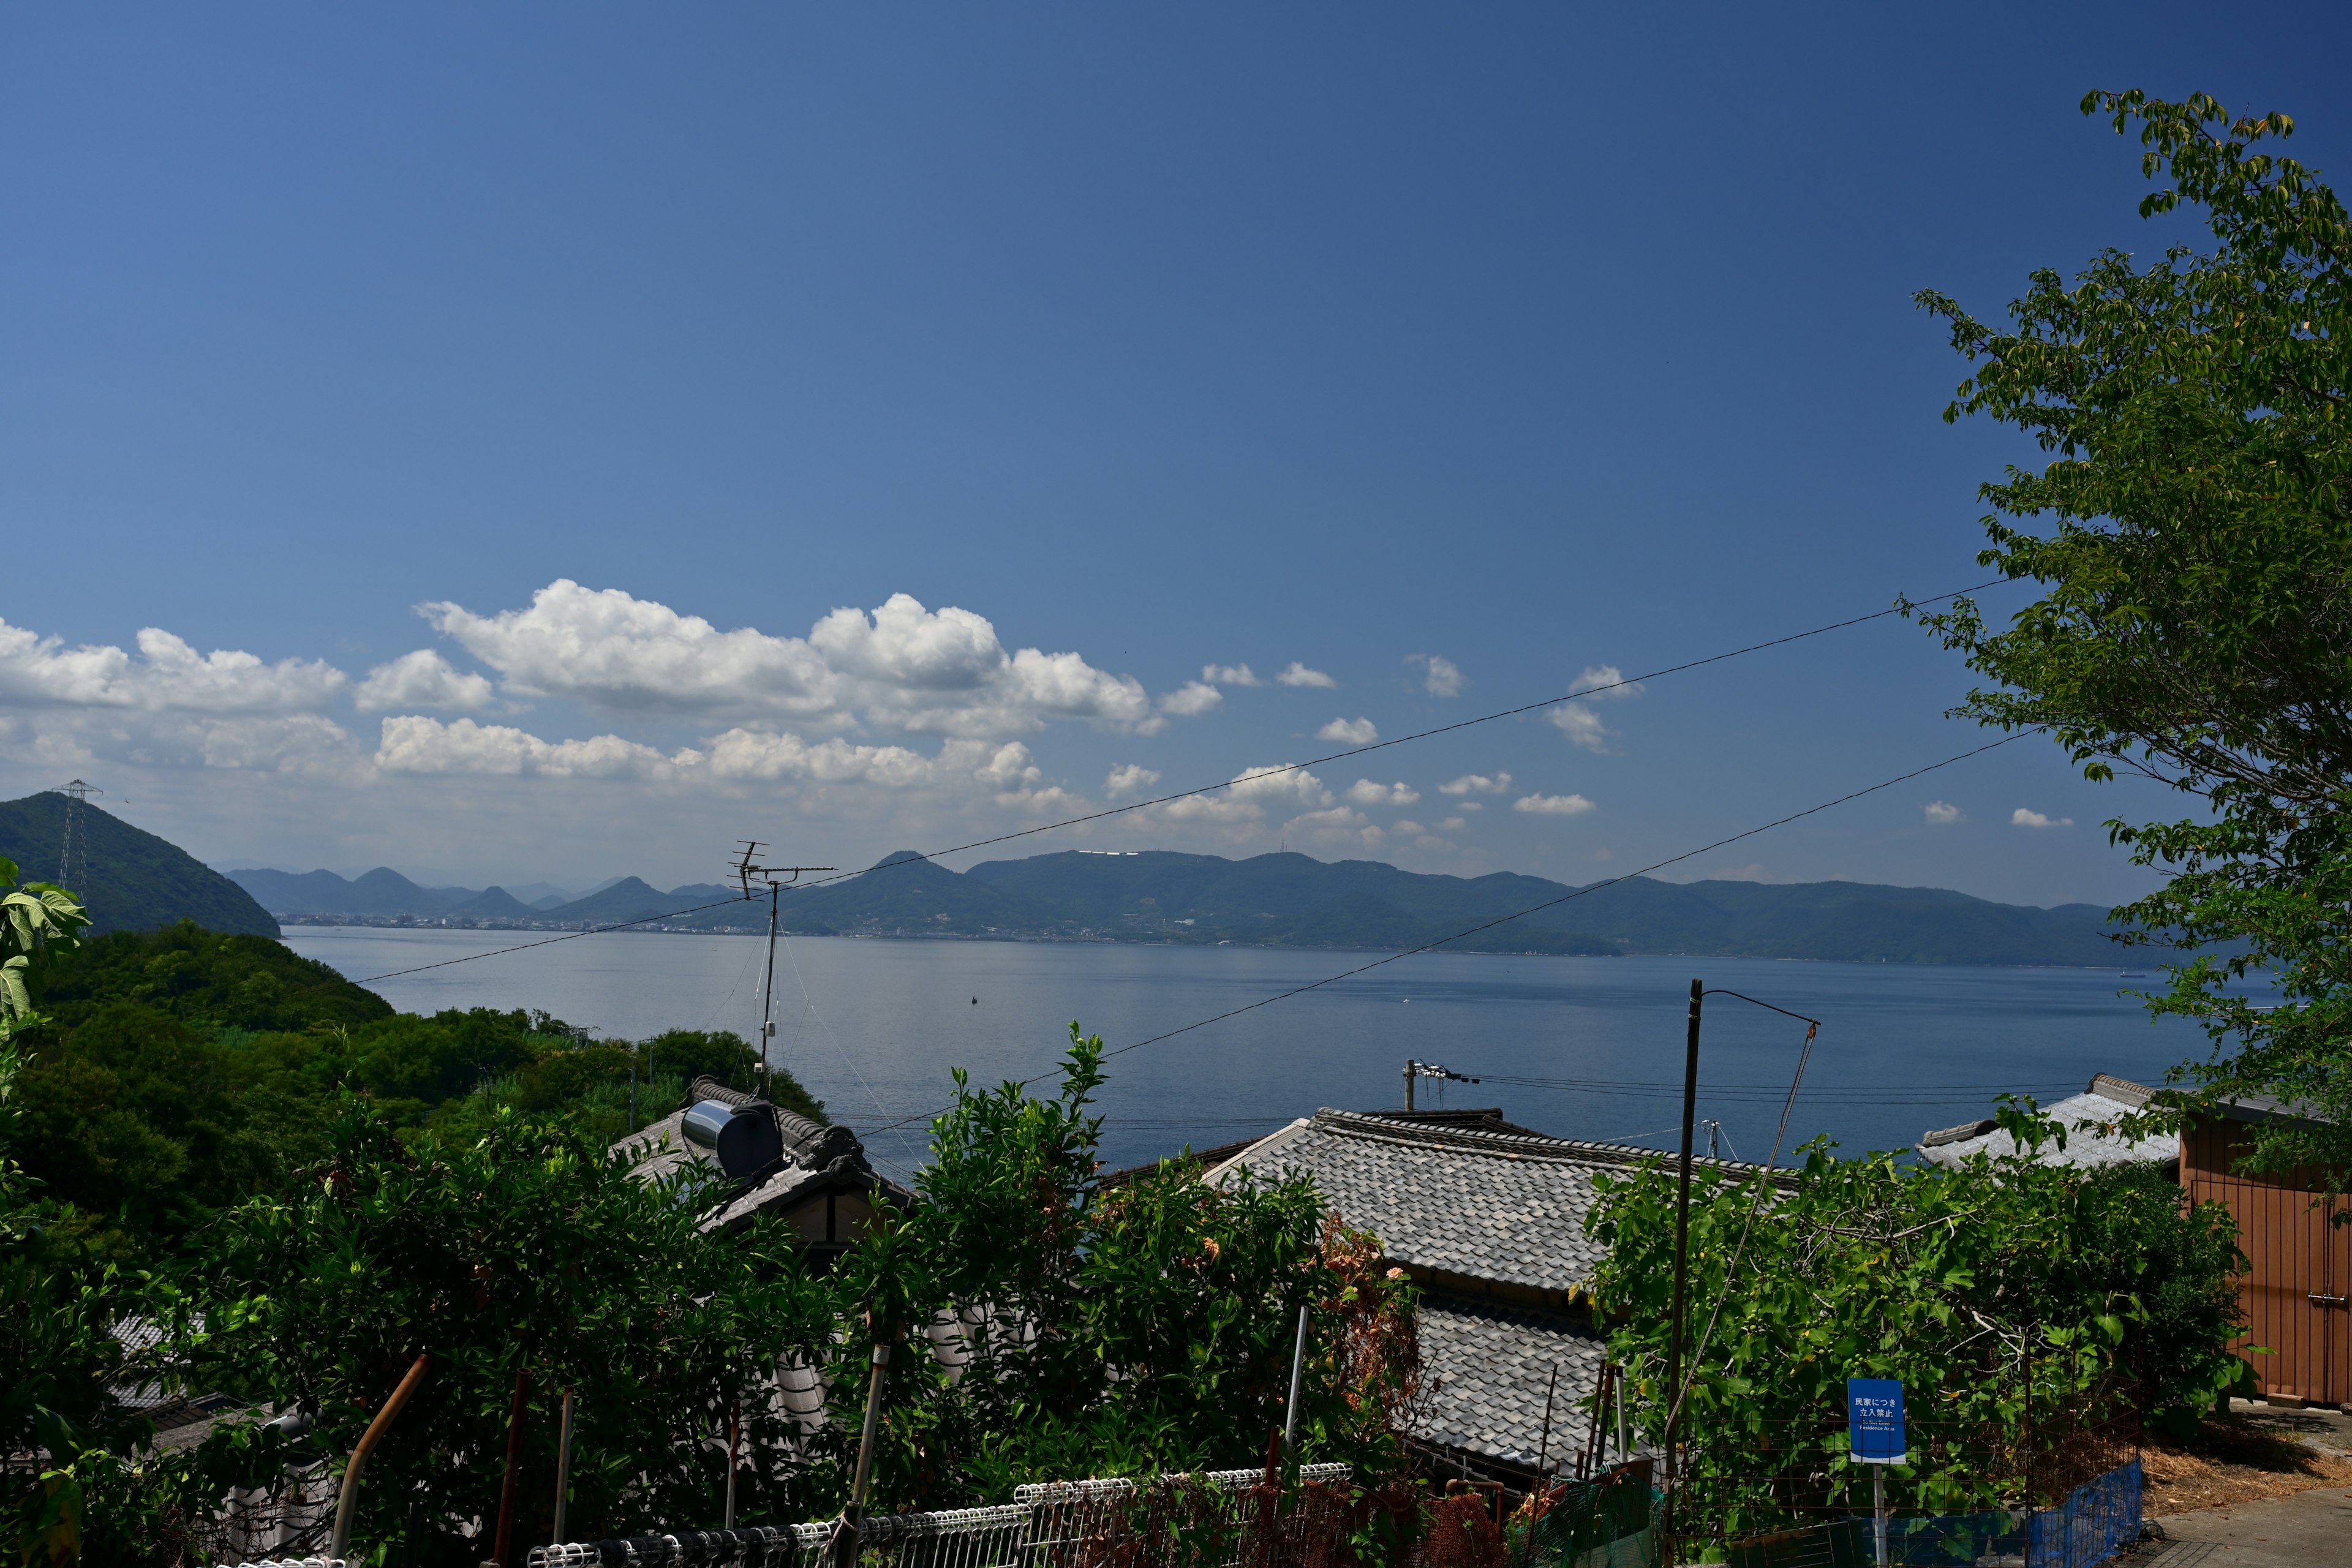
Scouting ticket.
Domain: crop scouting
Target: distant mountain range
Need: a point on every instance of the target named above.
(1285, 900)
(136, 881)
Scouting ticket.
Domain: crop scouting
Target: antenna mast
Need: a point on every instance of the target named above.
(745, 869)
(78, 791)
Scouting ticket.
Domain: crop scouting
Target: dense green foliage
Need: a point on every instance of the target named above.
(180, 1071)
(1120, 1331)
(135, 881)
(2019, 1301)
(2192, 534)
(1143, 1327)
(531, 1250)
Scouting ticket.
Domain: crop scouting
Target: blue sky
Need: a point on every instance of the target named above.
(1533, 339)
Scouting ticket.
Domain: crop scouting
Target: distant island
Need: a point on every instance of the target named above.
(135, 881)
(1266, 901)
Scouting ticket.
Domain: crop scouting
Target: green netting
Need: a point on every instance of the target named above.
(1608, 1523)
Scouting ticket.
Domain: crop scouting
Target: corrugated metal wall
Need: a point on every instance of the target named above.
(2300, 1262)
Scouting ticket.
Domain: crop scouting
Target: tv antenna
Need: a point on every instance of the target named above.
(76, 792)
(777, 877)
(1413, 1069)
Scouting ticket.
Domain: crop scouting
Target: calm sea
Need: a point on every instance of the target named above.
(874, 1028)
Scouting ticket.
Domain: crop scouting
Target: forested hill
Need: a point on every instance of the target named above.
(136, 881)
(1295, 900)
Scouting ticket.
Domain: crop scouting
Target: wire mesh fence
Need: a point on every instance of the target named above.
(1221, 1518)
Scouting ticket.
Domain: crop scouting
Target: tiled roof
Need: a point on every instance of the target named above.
(1508, 1207)
(816, 1157)
(2108, 1098)
(1491, 1365)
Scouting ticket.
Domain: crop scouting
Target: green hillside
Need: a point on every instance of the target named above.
(136, 881)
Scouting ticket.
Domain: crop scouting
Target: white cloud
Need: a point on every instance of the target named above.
(1230, 675)
(1472, 805)
(1477, 784)
(1608, 680)
(1452, 825)
(1942, 812)
(168, 676)
(1299, 675)
(1349, 731)
(901, 666)
(1245, 800)
(1553, 805)
(1365, 792)
(1406, 828)
(421, 680)
(1337, 825)
(1439, 677)
(1190, 700)
(2023, 818)
(1129, 778)
(1750, 873)
(1581, 725)
(413, 743)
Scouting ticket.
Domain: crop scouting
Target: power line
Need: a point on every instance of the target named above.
(1902, 607)
(1548, 903)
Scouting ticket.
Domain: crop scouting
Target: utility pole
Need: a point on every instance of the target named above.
(76, 792)
(1413, 1069)
(1682, 1249)
(744, 871)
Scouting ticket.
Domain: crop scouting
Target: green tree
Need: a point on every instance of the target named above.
(531, 1250)
(2192, 534)
(2018, 1301)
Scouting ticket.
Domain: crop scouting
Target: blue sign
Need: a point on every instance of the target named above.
(1874, 1416)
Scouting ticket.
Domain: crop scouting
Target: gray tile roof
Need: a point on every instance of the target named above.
(1508, 1207)
(1490, 1365)
(2084, 1116)
(663, 1149)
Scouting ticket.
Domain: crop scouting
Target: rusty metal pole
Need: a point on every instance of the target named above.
(514, 1468)
(562, 1467)
(348, 1494)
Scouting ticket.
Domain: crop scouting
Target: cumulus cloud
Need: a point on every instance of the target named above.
(1336, 823)
(1408, 829)
(1453, 825)
(1553, 805)
(1477, 784)
(413, 743)
(1247, 799)
(1190, 700)
(421, 680)
(1231, 675)
(1299, 675)
(1129, 778)
(1580, 724)
(1942, 812)
(1365, 792)
(1606, 682)
(901, 666)
(2021, 817)
(168, 676)
(1439, 677)
(1349, 731)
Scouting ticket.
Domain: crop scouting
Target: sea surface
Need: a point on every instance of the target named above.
(1582, 1047)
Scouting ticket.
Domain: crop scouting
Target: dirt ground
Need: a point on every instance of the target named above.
(2253, 1452)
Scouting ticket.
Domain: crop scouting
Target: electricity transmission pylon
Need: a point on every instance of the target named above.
(76, 838)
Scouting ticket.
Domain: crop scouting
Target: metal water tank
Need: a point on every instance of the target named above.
(744, 1137)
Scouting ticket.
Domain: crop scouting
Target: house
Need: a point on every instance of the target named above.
(2298, 1294)
(1487, 1218)
(811, 1175)
(2088, 1118)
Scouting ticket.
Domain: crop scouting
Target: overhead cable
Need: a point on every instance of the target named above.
(1900, 607)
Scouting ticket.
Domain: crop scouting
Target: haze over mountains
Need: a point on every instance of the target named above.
(1284, 899)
